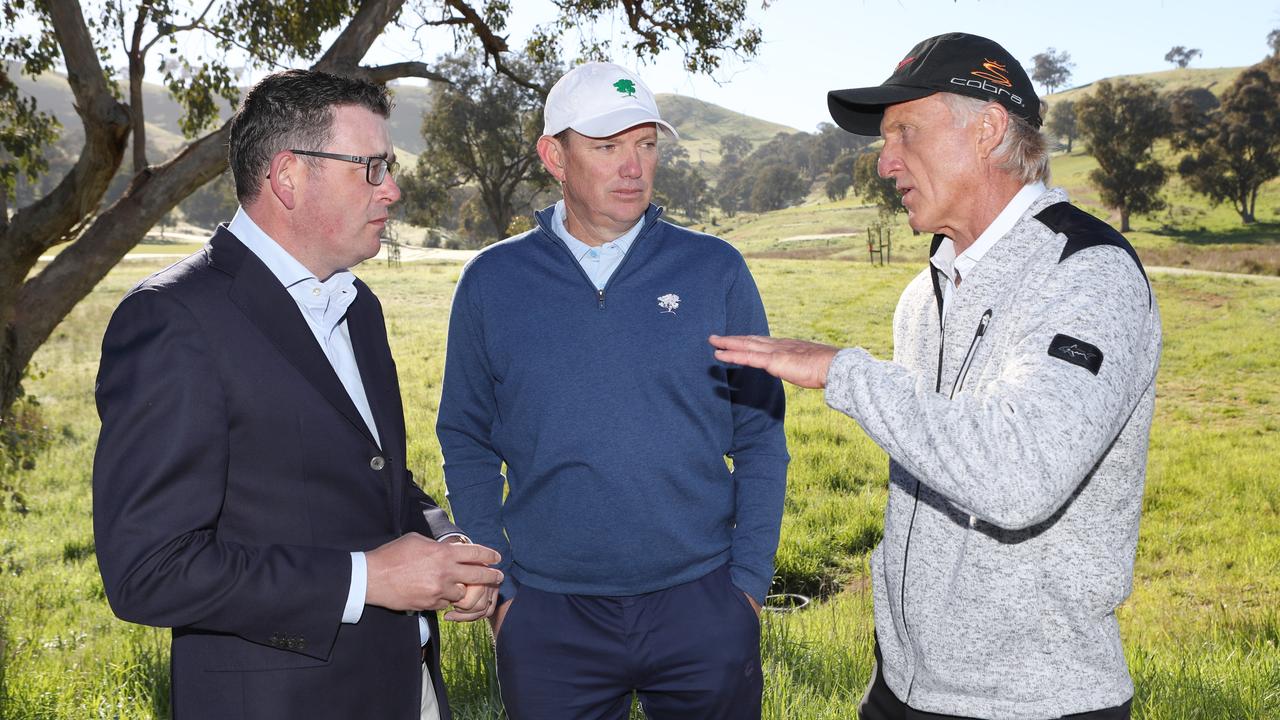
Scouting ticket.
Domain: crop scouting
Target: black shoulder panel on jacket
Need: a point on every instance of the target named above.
(1085, 231)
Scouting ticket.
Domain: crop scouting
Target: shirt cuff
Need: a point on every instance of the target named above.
(359, 586)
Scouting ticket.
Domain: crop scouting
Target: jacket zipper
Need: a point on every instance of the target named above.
(915, 505)
(964, 371)
(600, 291)
(973, 349)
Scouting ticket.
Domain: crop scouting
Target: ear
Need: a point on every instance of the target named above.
(286, 172)
(552, 154)
(993, 123)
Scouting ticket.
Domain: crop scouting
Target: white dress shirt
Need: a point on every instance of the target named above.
(324, 306)
(956, 268)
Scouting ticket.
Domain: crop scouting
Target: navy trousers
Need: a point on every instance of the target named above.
(689, 652)
(881, 704)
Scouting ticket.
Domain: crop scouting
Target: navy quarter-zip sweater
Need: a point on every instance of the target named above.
(612, 415)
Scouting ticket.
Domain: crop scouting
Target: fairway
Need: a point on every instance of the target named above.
(1201, 628)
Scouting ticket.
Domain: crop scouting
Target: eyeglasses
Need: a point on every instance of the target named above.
(375, 168)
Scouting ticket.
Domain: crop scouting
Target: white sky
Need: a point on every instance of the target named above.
(812, 46)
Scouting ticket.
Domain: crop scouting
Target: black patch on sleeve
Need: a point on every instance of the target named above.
(1085, 231)
(1076, 352)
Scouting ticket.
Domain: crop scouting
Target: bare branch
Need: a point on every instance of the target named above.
(382, 74)
(494, 45)
(46, 298)
(356, 38)
(174, 30)
(106, 124)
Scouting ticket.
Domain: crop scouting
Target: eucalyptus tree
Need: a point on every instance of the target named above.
(101, 45)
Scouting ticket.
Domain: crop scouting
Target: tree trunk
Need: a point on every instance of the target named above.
(30, 309)
(44, 300)
(1124, 219)
(136, 70)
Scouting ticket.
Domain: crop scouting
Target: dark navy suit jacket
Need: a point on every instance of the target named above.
(233, 477)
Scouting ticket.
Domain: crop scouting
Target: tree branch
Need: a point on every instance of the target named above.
(382, 74)
(357, 37)
(106, 120)
(45, 299)
(494, 45)
(174, 30)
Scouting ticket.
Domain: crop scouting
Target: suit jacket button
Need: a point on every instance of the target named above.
(377, 463)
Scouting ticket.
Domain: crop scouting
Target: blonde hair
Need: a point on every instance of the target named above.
(1023, 151)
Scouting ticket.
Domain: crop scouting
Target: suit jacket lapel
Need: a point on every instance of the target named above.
(377, 370)
(270, 307)
(368, 332)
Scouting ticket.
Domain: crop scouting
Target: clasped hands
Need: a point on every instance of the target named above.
(414, 572)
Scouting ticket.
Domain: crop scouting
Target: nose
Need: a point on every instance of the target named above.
(631, 166)
(389, 189)
(887, 162)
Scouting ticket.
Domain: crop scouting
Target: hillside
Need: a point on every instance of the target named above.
(1215, 79)
(702, 124)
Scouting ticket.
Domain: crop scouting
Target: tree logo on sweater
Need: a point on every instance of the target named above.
(669, 303)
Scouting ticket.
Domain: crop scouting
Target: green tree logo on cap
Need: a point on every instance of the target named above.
(626, 87)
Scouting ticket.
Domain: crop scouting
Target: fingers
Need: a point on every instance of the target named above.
(477, 603)
(475, 598)
(736, 342)
(475, 575)
(477, 554)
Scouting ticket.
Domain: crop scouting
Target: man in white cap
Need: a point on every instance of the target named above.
(636, 560)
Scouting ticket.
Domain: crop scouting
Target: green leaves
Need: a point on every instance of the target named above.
(1120, 122)
(1236, 146)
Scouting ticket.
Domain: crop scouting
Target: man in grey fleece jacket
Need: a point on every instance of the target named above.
(1015, 413)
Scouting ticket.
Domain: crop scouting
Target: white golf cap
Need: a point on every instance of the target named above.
(600, 99)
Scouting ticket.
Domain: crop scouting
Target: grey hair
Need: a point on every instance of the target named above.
(1023, 151)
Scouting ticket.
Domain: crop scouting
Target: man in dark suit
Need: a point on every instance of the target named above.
(250, 488)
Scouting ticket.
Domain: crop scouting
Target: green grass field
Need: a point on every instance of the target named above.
(1201, 628)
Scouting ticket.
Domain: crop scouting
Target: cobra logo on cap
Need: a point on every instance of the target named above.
(995, 72)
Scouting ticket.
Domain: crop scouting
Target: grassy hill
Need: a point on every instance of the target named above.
(1190, 233)
(1215, 79)
(702, 124)
(164, 136)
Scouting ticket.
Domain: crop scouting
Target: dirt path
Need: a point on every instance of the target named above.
(1160, 270)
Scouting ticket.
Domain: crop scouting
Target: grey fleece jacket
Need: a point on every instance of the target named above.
(1017, 438)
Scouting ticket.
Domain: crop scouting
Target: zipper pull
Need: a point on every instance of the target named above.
(982, 324)
(600, 298)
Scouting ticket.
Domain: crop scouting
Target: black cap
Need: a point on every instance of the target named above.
(957, 63)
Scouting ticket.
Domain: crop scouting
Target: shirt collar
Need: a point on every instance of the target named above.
(945, 258)
(284, 266)
(578, 248)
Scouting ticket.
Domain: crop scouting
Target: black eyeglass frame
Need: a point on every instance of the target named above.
(365, 160)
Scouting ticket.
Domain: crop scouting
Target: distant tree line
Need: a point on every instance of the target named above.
(1226, 148)
(781, 171)
(479, 179)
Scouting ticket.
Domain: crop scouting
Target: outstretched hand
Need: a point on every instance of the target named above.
(798, 362)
